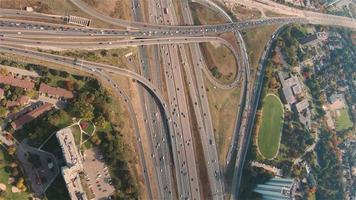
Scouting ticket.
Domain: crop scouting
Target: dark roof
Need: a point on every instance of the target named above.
(308, 39)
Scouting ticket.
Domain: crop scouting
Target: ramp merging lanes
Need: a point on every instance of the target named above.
(174, 56)
(153, 124)
(202, 112)
(188, 174)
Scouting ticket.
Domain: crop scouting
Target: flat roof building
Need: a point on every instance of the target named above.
(73, 184)
(288, 95)
(69, 149)
(297, 89)
(302, 105)
(277, 189)
(74, 164)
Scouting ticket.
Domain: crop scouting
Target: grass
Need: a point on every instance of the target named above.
(4, 176)
(223, 108)
(220, 62)
(115, 57)
(90, 128)
(269, 133)
(312, 197)
(76, 134)
(343, 120)
(256, 39)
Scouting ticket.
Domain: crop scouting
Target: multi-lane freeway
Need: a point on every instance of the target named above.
(175, 108)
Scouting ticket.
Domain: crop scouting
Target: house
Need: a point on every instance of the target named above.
(17, 82)
(18, 123)
(55, 92)
(14, 71)
(20, 101)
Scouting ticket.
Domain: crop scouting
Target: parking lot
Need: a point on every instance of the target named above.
(97, 175)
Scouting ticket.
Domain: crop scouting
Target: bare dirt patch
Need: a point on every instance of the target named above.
(114, 8)
(243, 13)
(203, 15)
(58, 7)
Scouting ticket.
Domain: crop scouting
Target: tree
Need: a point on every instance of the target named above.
(2, 194)
(20, 184)
(11, 150)
(99, 121)
(3, 112)
(86, 111)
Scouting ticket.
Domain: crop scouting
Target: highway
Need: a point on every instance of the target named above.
(103, 76)
(188, 175)
(197, 30)
(201, 109)
(153, 123)
(172, 93)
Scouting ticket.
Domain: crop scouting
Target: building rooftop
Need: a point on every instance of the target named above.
(73, 184)
(22, 72)
(288, 95)
(276, 188)
(300, 106)
(55, 91)
(18, 123)
(69, 149)
(74, 164)
(297, 89)
(308, 39)
(336, 97)
(16, 82)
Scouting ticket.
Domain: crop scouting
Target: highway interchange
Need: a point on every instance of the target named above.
(174, 107)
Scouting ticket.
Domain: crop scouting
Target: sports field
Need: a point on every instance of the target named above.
(343, 120)
(269, 133)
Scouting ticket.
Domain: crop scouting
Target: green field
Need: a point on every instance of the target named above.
(269, 133)
(343, 121)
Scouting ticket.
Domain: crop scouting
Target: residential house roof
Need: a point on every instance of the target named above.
(22, 100)
(16, 82)
(55, 91)
(18, 123)
(19, 71)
